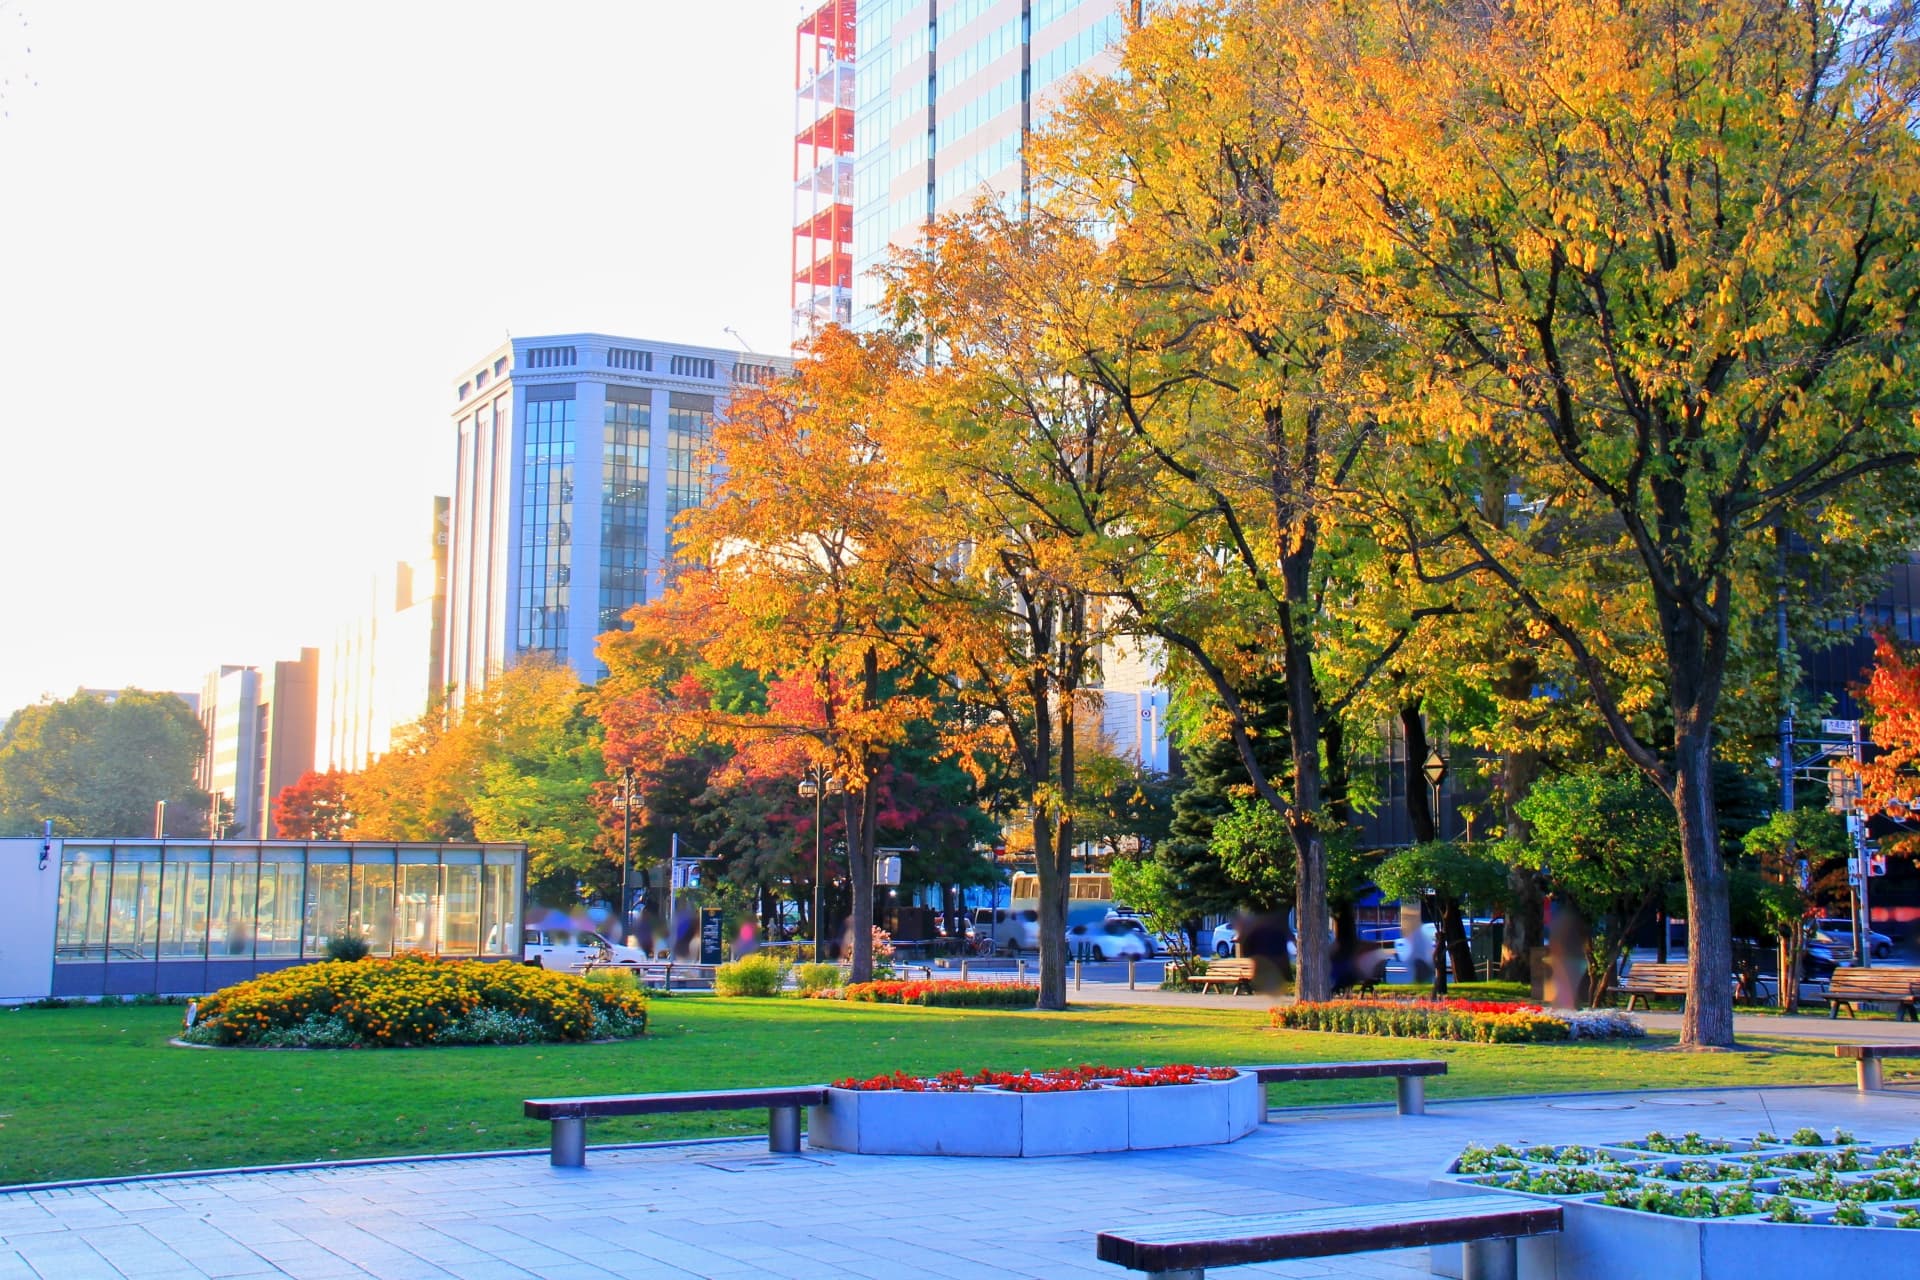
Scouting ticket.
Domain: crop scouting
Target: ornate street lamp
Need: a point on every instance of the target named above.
(815, 784)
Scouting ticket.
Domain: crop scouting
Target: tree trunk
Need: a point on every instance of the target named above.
(1053, 914)
(857, 809)
(1707, 1020)
(1526, 923)
(1792, 947)
(1420, 815)
(1453, 936)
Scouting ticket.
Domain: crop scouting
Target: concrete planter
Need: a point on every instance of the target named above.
(1602, 1242)
(993, 1122)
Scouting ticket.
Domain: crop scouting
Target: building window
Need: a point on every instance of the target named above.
(546, 526)
(500, 367)
(757, 374)
(123, 903)
(630, 359)
(466, 389)
(689, 421)
(549, 357)
(623, 508)
(692, 367)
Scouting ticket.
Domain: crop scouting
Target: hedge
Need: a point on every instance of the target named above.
(939, 992)
(1480, 1021)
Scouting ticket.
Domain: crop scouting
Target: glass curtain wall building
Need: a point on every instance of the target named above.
(947, 92)
(183, 917)
(573, 455)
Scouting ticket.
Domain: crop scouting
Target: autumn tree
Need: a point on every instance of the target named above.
(1239, 387)
(1890, 781)
(802, 541)
(314, 807)
(1026, 473)
(1664, 258)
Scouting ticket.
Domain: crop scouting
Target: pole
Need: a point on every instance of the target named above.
(159, 819)
(1863, 923)
(1787, 952)
(626, 857)
(673, 894)
(819, 802)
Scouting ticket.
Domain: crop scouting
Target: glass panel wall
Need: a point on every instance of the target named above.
(85, 878)
(141, 902)
(234, 899)
(460, 913)
(373, 898)
(328, 899)
(500, 905)
(133, 910)
(183, 903)
(417, 903)
(282, 897)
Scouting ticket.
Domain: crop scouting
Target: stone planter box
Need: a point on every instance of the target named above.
(993, 1122)
(1602, 1242)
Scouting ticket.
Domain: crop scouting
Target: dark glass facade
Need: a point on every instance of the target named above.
(689, 422)
(623, 504)
(546, 526)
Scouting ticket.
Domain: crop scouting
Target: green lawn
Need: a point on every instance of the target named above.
(97, 1091)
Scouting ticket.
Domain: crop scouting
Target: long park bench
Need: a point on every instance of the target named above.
(570, 1115)
(1236, 973)
(1489, 1226)
(1882, 984)
(1648, 979)
(1866, 1057)
(1408, 1074)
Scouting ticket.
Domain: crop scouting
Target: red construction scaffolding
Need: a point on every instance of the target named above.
(822, 290)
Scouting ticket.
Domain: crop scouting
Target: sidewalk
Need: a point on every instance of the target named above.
(729, 1210)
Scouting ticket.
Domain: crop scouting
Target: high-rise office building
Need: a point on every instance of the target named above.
(260, 732)
(383, 669)
(823, 168)
(575, 453)
(947, 94)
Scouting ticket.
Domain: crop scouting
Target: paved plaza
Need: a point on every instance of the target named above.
(728, 1209)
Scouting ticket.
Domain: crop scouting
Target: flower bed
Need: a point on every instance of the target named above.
(936, 992)
(1482, 1021)
(413, 1000)
(1071, 1110)
(1706, 1208)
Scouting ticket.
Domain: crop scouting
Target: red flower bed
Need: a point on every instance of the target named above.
(941, 992)
(1063, 1080)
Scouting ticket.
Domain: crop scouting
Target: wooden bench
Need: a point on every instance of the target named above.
(1409, 1076)
(1487, 1225)
(1883, 984)
(1238, 973)
(1867, 1058)
(1648, 979)
(570, 1115)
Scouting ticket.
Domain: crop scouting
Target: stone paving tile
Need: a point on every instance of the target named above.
(685, 1211)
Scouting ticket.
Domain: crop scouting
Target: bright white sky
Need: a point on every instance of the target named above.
(246, 247)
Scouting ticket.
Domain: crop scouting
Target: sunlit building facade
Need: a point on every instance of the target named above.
(574, 455)
(947, 94)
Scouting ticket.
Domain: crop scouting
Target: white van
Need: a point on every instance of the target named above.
(1010, 930)
(569, 950)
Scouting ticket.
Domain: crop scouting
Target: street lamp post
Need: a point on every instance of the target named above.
(626, 852)
(814, 785)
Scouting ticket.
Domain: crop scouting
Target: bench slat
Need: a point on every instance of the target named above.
(1323, 1233)
(1867, 1052)
(1281, 1073)
(640, 1104)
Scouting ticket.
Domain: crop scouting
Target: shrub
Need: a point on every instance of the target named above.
(1486, 1022)
(943, 993)
(415, 1000)
(348, 946)
(791, 952)
(756, 975)
(817, 977)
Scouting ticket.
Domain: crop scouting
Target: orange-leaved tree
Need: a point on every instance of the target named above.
(313, 807)
(801, 545)
(1890, 781)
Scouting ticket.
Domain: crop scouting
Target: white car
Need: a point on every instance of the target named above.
(1108, 940)
(1223, 939)
(570, 950)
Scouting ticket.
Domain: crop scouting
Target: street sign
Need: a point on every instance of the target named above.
(886, 871)
(1839, 728)
(710, 948)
